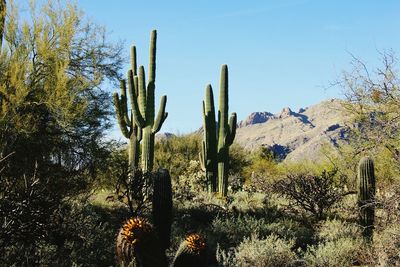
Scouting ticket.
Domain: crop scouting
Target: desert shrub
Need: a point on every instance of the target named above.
(261, 171)
(174, 153)
(333, 230)
(341, 252)
(187, 185)
(248, 202)
(255, 252)
(231, 230)
(387, 245)
(314, 194)
(75, 235)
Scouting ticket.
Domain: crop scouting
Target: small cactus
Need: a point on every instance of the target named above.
(366, 195)
(191, 252)
(137, 245)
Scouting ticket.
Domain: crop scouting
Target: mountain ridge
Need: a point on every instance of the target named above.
(301, 135)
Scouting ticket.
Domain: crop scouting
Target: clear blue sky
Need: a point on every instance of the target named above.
(279, 53)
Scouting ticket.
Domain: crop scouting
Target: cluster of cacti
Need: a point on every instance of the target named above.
(141, 124)
(191, 252)
(140, 244)
(218, 137)
(366, 195)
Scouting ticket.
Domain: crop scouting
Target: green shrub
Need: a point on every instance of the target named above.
(255, 252)
(387, 245)
(341, 252)
(333, 230)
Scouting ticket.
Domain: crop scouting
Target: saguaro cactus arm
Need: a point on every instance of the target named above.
(137, 117)
(161, 116)
(232, 129)
(119, 107)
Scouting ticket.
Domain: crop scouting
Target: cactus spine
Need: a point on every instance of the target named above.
(366, 195)
(215, 153)
(191, 252)
(162, 206)
(143, 106)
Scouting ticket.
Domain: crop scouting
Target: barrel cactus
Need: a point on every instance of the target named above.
(366, 195)
(191, 252)
(138, 245)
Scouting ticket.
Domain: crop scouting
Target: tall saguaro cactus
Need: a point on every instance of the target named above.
(366, 195)
(143, 105)
(208, 155)
(215, 153)
(3, 6)
(125, 118)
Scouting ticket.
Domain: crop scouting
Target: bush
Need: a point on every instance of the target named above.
(333, 230)
(341, 252)
(255, 252)
(387, 245)
(314, 194)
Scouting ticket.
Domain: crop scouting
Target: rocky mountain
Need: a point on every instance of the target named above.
(295, 135)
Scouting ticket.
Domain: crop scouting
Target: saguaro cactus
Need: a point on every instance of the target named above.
(215, 153)
(208, 155)
(3, 6)
(366, 195)
(162, 206)
(127, 125)
(143, 105)
(226, 132)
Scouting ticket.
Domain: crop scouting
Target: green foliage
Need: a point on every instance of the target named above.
(333, 230)
(255, 252)
(373, 97)
(53, 117)
(175, 152)
(262, 170)
(225, 134)
(341, 252)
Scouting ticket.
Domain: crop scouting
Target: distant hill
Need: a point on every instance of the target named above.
(295, 135)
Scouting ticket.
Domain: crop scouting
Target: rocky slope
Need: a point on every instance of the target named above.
(295, 135)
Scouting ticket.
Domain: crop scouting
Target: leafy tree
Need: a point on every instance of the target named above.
(53, 117)
(373, 102)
